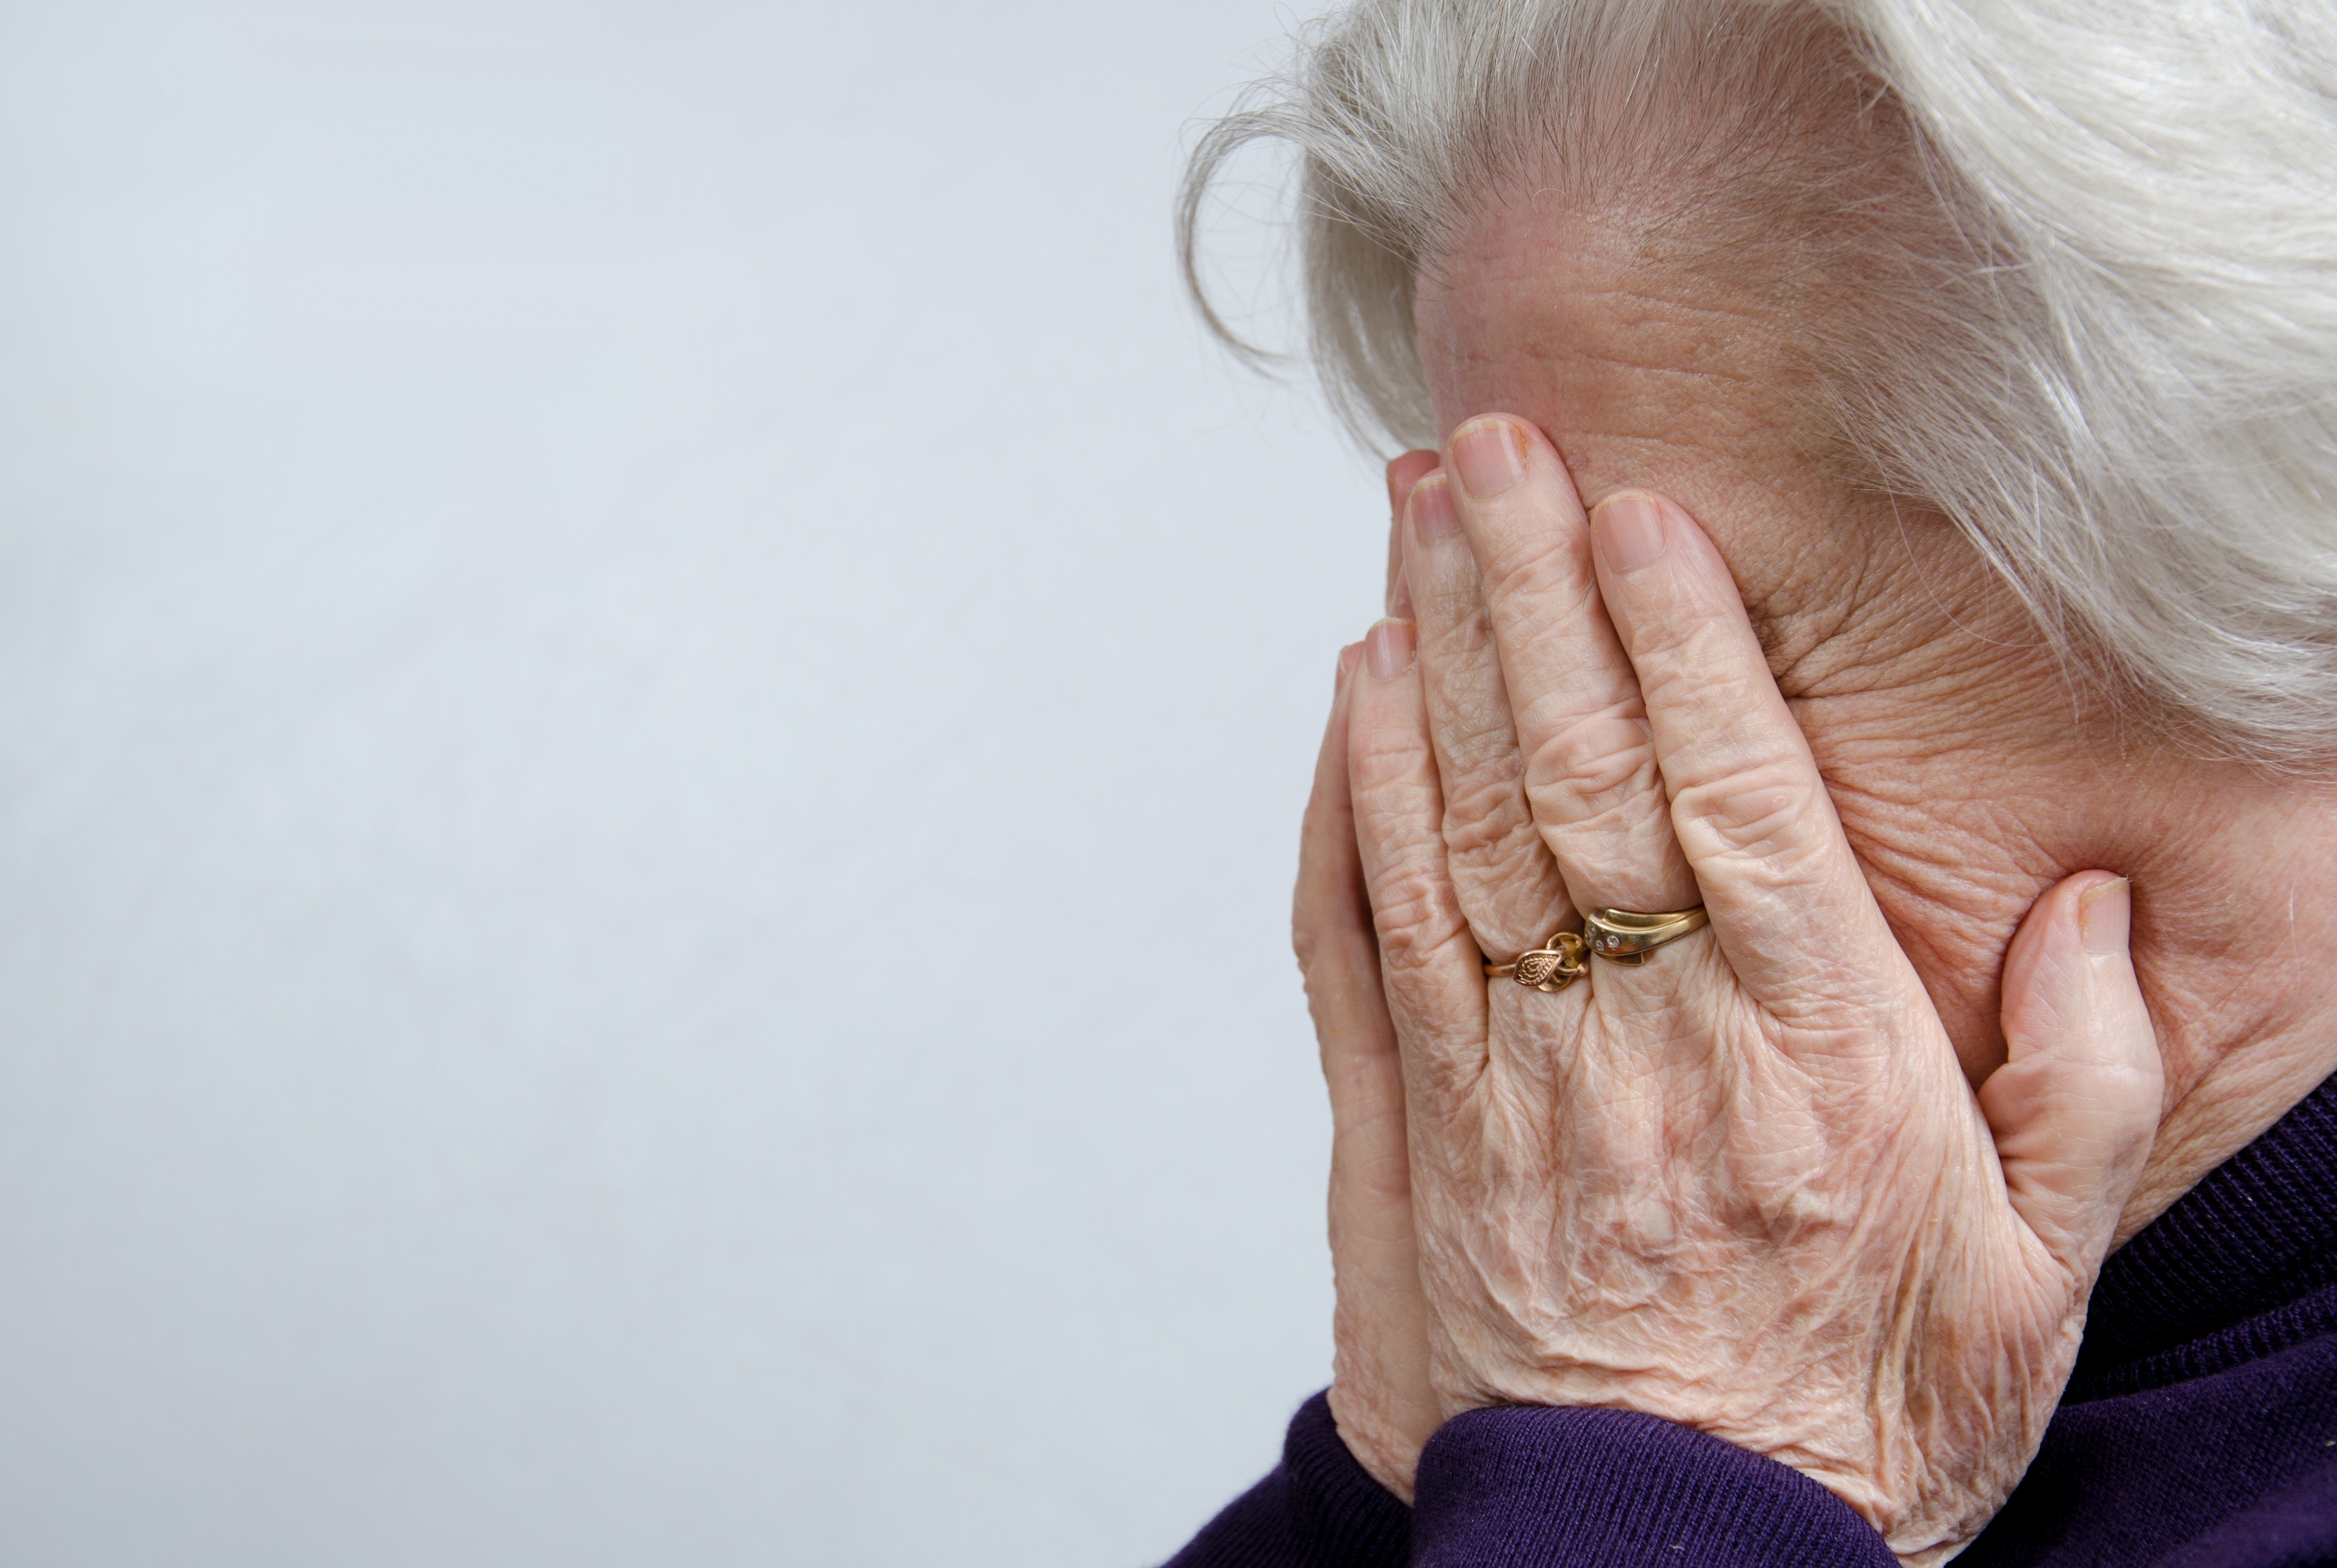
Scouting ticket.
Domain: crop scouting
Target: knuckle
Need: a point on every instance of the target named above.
(1483, 812)
(1381, 757)
(1462, 633)
(1670, 639)
(1589, 766)
(1689, 657)
(1535, 566)
(1441, 1073)
(1307, 940)
(1637, 825)
(1413, 922)
(1769, 812)
(1471, 707)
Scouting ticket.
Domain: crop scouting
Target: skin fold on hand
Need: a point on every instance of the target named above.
(1746, 1187)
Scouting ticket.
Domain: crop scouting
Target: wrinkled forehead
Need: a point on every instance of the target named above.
(1631, 352)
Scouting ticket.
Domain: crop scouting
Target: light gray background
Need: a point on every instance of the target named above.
(653, 703)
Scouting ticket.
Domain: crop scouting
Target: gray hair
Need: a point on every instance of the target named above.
(2098, 329)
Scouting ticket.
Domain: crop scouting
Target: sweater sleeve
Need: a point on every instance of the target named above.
(1316, 1509)
(1558, 1488)
(1521, 1486)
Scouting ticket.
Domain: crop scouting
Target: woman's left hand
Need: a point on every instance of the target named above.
(1744, 1186)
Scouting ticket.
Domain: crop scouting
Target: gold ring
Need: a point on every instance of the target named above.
(1555, 965)
(1627, 936)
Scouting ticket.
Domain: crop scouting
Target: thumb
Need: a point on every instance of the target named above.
(2076, 1106)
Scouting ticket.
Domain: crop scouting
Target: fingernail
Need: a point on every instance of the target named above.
(1389, 649)
(1399, 491)
(1349, 656)
(2106, 916)
(1491, 457)
(1400, 601)
(1432, 513)
(1629, 531)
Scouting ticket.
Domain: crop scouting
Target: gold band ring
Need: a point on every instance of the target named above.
(1629, 937)
(1619, 936)
(1555, 965)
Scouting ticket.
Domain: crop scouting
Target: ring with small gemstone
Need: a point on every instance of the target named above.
(1629, 937)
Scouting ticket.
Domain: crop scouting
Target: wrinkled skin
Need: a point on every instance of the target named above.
(1748, 1187)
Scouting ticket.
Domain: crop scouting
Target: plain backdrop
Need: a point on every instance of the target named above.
(654, 699)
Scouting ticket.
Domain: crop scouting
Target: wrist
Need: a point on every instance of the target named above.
(1376, 1439)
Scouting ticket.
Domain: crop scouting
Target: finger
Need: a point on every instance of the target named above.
(2076, 1104)
(1751, 813)
(1404, 470)
(1589, 759)
(1502, 873)
(1338, 957)
(1432, 971)
(1381, 1397)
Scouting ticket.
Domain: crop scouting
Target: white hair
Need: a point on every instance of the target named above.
(2096, 250)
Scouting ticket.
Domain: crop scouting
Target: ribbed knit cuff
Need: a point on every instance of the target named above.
(1617, 1489)
(1350, 1518)
(1316, 1509)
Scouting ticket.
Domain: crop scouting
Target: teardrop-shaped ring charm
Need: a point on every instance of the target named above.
(1552, 966)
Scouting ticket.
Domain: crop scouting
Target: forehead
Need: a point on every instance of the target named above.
(1636, 354)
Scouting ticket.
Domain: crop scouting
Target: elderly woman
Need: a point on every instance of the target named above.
(1815, 900)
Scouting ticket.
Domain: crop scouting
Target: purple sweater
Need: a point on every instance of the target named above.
(2199, 1430)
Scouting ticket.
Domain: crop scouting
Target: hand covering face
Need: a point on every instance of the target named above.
(1745, 1186)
